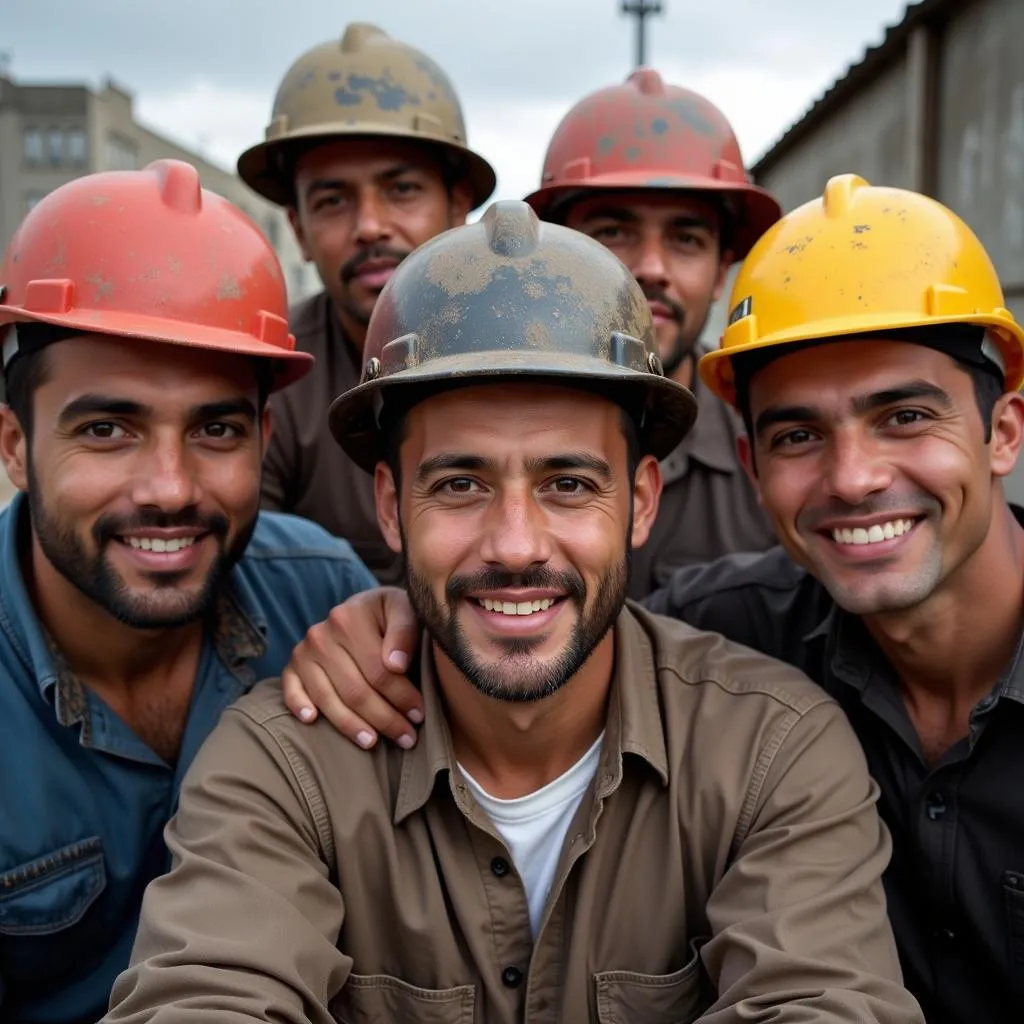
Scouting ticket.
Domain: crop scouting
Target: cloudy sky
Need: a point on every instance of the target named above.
(204, 72)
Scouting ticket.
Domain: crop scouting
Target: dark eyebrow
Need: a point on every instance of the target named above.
(100, 405)
(570, 461)
(336, 184)
(627, 216)
(545, 464)
(221, 410)
(455, 460)
(903, 393)
(907, 392)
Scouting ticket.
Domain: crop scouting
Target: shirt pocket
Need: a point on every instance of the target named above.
(52, 892)
(381, 999)
(628, 997)
(1013, 894)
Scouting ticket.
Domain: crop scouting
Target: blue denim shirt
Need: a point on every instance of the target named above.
(83, 801)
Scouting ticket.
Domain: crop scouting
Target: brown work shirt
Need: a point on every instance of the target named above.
(305, 471)
(724, 863)
(708, 507)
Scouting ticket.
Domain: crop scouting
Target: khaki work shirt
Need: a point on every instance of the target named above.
(708, 506)
(724, 864)
(305, 471)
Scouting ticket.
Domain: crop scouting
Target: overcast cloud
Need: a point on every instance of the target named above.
(204, 72)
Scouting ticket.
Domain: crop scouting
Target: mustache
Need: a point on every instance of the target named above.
(108, 527)
(352, 266)
(675, 309)
(571, 583)
(918, 502)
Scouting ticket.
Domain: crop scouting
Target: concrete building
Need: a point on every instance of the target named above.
(937, 107)
(50, 134)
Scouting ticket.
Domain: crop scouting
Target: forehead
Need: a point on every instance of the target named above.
(363, 159)
(99, 363)
(659, 206)
(513, 419)
(833, 373)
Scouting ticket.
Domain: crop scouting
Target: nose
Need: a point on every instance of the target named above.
(650, 269)
(162, 477)
(856, 468)
(515, 533)
(371, 222)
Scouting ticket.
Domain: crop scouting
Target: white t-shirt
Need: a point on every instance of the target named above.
(534, 826)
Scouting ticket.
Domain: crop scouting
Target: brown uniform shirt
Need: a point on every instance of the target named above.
(725, 861)
(306, 472)
(708, 507)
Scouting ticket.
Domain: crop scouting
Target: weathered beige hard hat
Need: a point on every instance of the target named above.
(365, 85)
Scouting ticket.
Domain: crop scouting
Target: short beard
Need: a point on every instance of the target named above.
(95, 577)
(513, 679)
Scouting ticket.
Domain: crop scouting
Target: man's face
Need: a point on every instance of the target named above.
(669, 241)
(871, 459)
(143, 473)
(516, 516)
(362, 206)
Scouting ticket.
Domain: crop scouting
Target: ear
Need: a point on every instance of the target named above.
(13, 448)
(646, 498)
(728, 257)
(1007, 434)
(297, 229)
(745, 453)
(460, 204)
(385, 493)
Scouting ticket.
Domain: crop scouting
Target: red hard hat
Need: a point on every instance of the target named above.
(646, 134)
(150, 255)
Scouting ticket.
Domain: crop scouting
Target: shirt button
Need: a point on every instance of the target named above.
(986, 702)
(935, 806)
(499, 867)
(511, 977)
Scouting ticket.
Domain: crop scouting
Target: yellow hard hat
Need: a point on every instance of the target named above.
(862, 259)
(365, 84)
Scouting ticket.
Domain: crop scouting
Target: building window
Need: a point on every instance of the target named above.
(33, 143)
(31, 198)
(55, 147)
(76, 146)
(121, 154)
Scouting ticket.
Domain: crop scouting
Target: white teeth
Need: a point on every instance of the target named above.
(160, 544)
(516, 608)
(877, 533)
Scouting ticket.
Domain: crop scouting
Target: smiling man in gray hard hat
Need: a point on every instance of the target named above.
(609, 816)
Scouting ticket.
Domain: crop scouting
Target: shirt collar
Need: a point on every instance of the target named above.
(634, 724)
(711, 441)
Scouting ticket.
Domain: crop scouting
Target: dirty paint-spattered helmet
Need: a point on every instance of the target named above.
(646, 134)
(513, 298)
(366, 84)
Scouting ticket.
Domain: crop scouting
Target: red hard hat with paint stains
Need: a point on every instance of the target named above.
(150, 255)
(646, 134)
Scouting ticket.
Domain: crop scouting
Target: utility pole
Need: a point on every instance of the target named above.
(641, 10)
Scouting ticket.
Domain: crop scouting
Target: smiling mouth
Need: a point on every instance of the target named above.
(165, 545)
(876, 534)
(516, 607)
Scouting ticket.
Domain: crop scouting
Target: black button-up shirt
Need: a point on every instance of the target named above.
(955, 885)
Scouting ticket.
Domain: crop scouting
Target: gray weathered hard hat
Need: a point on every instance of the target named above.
(366, 84)
(511, 297)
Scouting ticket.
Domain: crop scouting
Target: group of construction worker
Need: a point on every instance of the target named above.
(468, 644)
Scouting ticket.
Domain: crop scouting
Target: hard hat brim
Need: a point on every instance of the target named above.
(290, 366)
(758, 209)
(670, 409)
(717, 372)
(258, 165)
